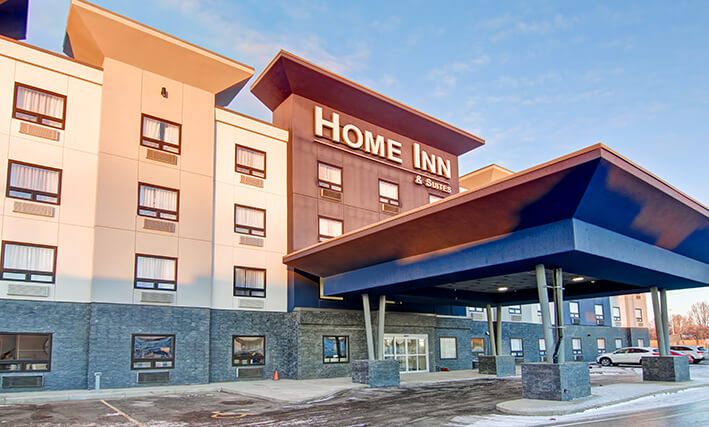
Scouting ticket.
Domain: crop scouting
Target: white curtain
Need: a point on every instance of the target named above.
(250, 217)
(329, 174)
(155, 268)
(249, 278)
(40, 102)
(330, 227)
(31, 258)
(250, 158)
(158, 198)
(388, 190)
(34, 178)
(161, 131)
(515, 344)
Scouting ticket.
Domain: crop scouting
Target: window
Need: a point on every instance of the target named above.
(329, 228)
(153, 351)
(600, 316)
(248, 220)
(329, 176)
(29, 263)
(161, 134)
(448, 347)
(516, 348)
(39, 106)
(25, 352)
(248, 350)
(335, 349)
(249, 282)
(158, 202)
(539, 312)
(641, 342)
(542, 347)
(432, 198)
(155, 272)
(515, 309)
(389, 192)
(472, 310)
(35, 183)
(616, 314)
(477, 345)
(576, 346)
(618, 343)
(639, 315)
(601, 344)
(250, 161)
(574, 310)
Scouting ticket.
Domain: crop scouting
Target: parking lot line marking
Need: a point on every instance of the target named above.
(126, 416)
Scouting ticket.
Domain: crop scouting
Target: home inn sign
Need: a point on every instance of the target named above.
(377, 145)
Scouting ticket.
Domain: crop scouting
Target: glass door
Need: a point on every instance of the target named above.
(411, 351)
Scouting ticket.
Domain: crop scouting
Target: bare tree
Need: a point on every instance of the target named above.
(699, 314)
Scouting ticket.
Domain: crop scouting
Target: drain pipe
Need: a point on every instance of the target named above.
(97, 381)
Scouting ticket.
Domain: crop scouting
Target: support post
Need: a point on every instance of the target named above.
(665, 319)
(544, 306)
(559, 352)
(380, 329)
(659, 323)
(498, 332)
(368, 326)
(491, 331)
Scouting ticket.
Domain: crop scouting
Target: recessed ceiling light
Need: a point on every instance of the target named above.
(577, 279)
(502, 288)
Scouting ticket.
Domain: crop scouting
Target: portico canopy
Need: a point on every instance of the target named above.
(611, 226)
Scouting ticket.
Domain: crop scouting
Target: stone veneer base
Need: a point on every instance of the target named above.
(665, 368)
(502, 366)
(555, 381)
(376, 373)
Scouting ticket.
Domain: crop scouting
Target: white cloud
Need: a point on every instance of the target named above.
(506, 26)
(446, 77)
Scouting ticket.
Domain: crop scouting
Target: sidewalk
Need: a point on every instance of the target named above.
(600, 396)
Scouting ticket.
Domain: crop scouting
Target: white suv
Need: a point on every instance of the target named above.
(689, 350)
(625, 355)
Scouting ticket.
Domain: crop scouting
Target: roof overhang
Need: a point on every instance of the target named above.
(592, 213)
(94, 33)
(289, 74)
(13, 18)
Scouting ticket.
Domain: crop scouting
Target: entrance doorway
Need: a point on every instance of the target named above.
(410, 350)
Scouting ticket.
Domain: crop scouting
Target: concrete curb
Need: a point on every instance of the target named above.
(582, 405)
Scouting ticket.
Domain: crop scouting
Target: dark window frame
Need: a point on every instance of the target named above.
(249, 290)
(25, 362)
(337, 347)
(616, 318)
(638, 319)
(33, 193)
(515, 309)
(28, 273)
(615, 342)
(440, 348)
(161, 144)
(601, 316)
(249, 170)
(322, 237)
(133, 360)
(250, 231)
(159, 212)
(233, 339)
(39, 116)
(331, 185)
(575, 314)
(387, 200)
(155, 282)
(576, 352)
(517, 353)
(603, 349)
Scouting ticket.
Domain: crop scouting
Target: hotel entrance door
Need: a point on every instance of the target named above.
(410, 350)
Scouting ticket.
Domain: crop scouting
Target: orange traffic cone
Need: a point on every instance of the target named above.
(275, 375)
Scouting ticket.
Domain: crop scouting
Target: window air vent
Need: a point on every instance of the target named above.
(331, 194)
(389, 208)
(249, 373)
(478, 316)
(600, 322)
(578, 357)
(27, 290)
(161, 156)
(251, 241)
(157, 297)
(516, 318)
(153, 377)
(251, 303)
(575, 321)
(25, 381)
(250, 180)
(153, 224)
(33, 209)
(39, 131)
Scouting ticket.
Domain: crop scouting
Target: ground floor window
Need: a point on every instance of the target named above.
(542, 347)
(618, 343)
(448, 347)
(249, 350)
(516, 348)
(576, 346)
(336, 349)
(641, 342)
(25, 352)
(601, 344)
(153, 351)
(249, 282)
(411, 351)
(477, 345)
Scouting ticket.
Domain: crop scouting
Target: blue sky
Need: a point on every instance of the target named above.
(536, 79)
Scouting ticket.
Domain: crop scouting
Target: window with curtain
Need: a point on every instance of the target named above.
(153, 352)
(155, 272)
(336, 349)
(601, 344)
(25, 352)
(477, 345)
(158, 202)
(250, 161)
(515, 309)
(329, 228)
(574, 310)
(616, 314)
(432, 198)
(639, 315)
(542, 346)
(618, 343)
(249, 282)
(39, 106)
(598, 309)
(516, 349)
(576, 346)
(248, 220)
(161, 134)
(28, 263)
(329, 176)
(448, 347)
(248, 350)
(389, 192)
(35, 183)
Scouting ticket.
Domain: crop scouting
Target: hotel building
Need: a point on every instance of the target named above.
(144, 225)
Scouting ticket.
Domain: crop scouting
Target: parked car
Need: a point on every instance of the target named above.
(625, 355)
(697, 354)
